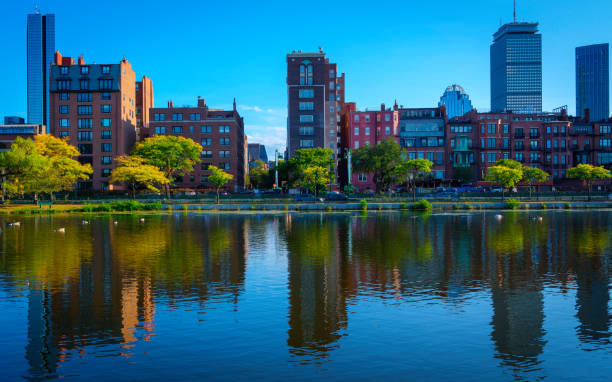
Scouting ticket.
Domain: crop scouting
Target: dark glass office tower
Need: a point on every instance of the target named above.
(516, 69)
(41, 46)
(592, 81)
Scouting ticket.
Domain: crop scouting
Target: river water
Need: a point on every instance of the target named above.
(290, 296)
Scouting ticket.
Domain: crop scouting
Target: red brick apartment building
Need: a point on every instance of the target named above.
(94, 105)
(221, 133)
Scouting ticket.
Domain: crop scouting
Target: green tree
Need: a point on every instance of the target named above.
(380, 160)
(510, 163)
(308, 158)
(505, 176)
(174, 156)
(259, 175)
(588, 173)
(464, 174)
(218, 178)
(134, 171)
(315, 179)
(409, 169)
(19, 163)
(533, 174)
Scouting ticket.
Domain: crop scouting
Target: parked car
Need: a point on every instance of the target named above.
(335, 196)
(306, 198)
(496, 189)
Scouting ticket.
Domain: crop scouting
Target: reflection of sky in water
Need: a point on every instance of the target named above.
(335, 296)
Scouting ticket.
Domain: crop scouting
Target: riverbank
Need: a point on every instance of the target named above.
(134, 207)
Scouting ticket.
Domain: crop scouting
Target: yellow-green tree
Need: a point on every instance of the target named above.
(174, 156)
(18, 164)
(315, 179)
(504, 176)
(588, 173)
(380, 160)
(134, 171)
(534, 174)
(410, 169)
(218, 178)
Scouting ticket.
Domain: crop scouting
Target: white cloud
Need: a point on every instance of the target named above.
(257, 109)
(273, 137)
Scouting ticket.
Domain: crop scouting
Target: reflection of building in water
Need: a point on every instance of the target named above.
(317, 306)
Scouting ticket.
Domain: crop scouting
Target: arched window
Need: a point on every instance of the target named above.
(306, 73)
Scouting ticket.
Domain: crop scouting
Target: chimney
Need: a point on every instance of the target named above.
(382, 107)
(170, 104)
(81, 60)
(587, 115)
(201, 102)
(58, 58)
(234, 103)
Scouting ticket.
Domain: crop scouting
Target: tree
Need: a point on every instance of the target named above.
(259, 175)
(409, 169)
(174, 156)
(21, 162)
(315, 179)
(464, 174)
(588, 173)
(218, 178)
(505, 176)
(135, 172)
(534, 174)
(381, 160)
(308, 158)
(510, 163)
(63, 171)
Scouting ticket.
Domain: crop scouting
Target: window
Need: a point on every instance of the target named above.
(506, 129)
(306, 118)
(85, 123)
(177, 116)
(206, 141)
(491, 157)
(224, 154)
(64, 109)
(604, 158)
(105, 122)
(306, 105)
(105, 108)
(84, 70)
(387, 130)
(548, 129)
(84, 84)
(85, 149)
(64, 122)
(506, 143)
(533, 132)
(491, 128)
(306, 93)
(105, 84)
(533, 145)
(356, 131)
(333, 132)
(331, 73)
(548, 144)
(63, 85)
(305, 143)
(191, 129)
(106, 172)
(605, 142)
(206, 154)
(106, 147)
(84, 97)
(604, 129)
(367, 118)
(356, 118)
(534, 157)
(177, 129)
(63, 70)
(64, 134)
(518, 157)
(206, 129)
(63, 96)
(224, 141)
(224, 129)
(306, 73)
(356, 144)
(332, 85)
(482, 143)
(367, 131)
(107, 134)
(105, 96)
(160, 130)
(107, 160)
(105, 69)
(306, 130)
(84, 136)
(491, 143)
(362, 177)
(224, 166)
(482, 128)
(205, 166)
(84, 109)
(387, 117)
(194, 116)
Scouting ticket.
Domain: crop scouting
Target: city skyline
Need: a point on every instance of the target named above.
(262, 98)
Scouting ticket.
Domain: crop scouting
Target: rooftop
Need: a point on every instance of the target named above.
(515, 28)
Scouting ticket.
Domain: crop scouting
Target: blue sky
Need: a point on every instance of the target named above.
(407, 50)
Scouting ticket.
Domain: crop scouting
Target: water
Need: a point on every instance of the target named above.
(302, 296)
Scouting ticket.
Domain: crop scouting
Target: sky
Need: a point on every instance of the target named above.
(408, 51)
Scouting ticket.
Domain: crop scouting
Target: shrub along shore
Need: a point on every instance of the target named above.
(363, 205)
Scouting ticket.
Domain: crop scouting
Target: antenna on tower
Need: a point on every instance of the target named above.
(515, 11)
(37, 9)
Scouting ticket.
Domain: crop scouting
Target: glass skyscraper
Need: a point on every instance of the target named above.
(592, 81)
(41, 47)
(516, 68)
(456, 101)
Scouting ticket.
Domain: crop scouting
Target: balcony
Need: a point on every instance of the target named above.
(519, 135)
(534, 136)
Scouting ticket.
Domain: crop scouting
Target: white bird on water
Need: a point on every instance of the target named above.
(14, 224)
(84, 222)
(498, 217)
(141, 220)
(61, 230)
(115, 222)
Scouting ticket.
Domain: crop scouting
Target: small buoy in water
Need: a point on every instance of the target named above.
(85, 222)
(540, 218)
(498, 217)
(61, 230)
(141, 220)
(115, 222)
